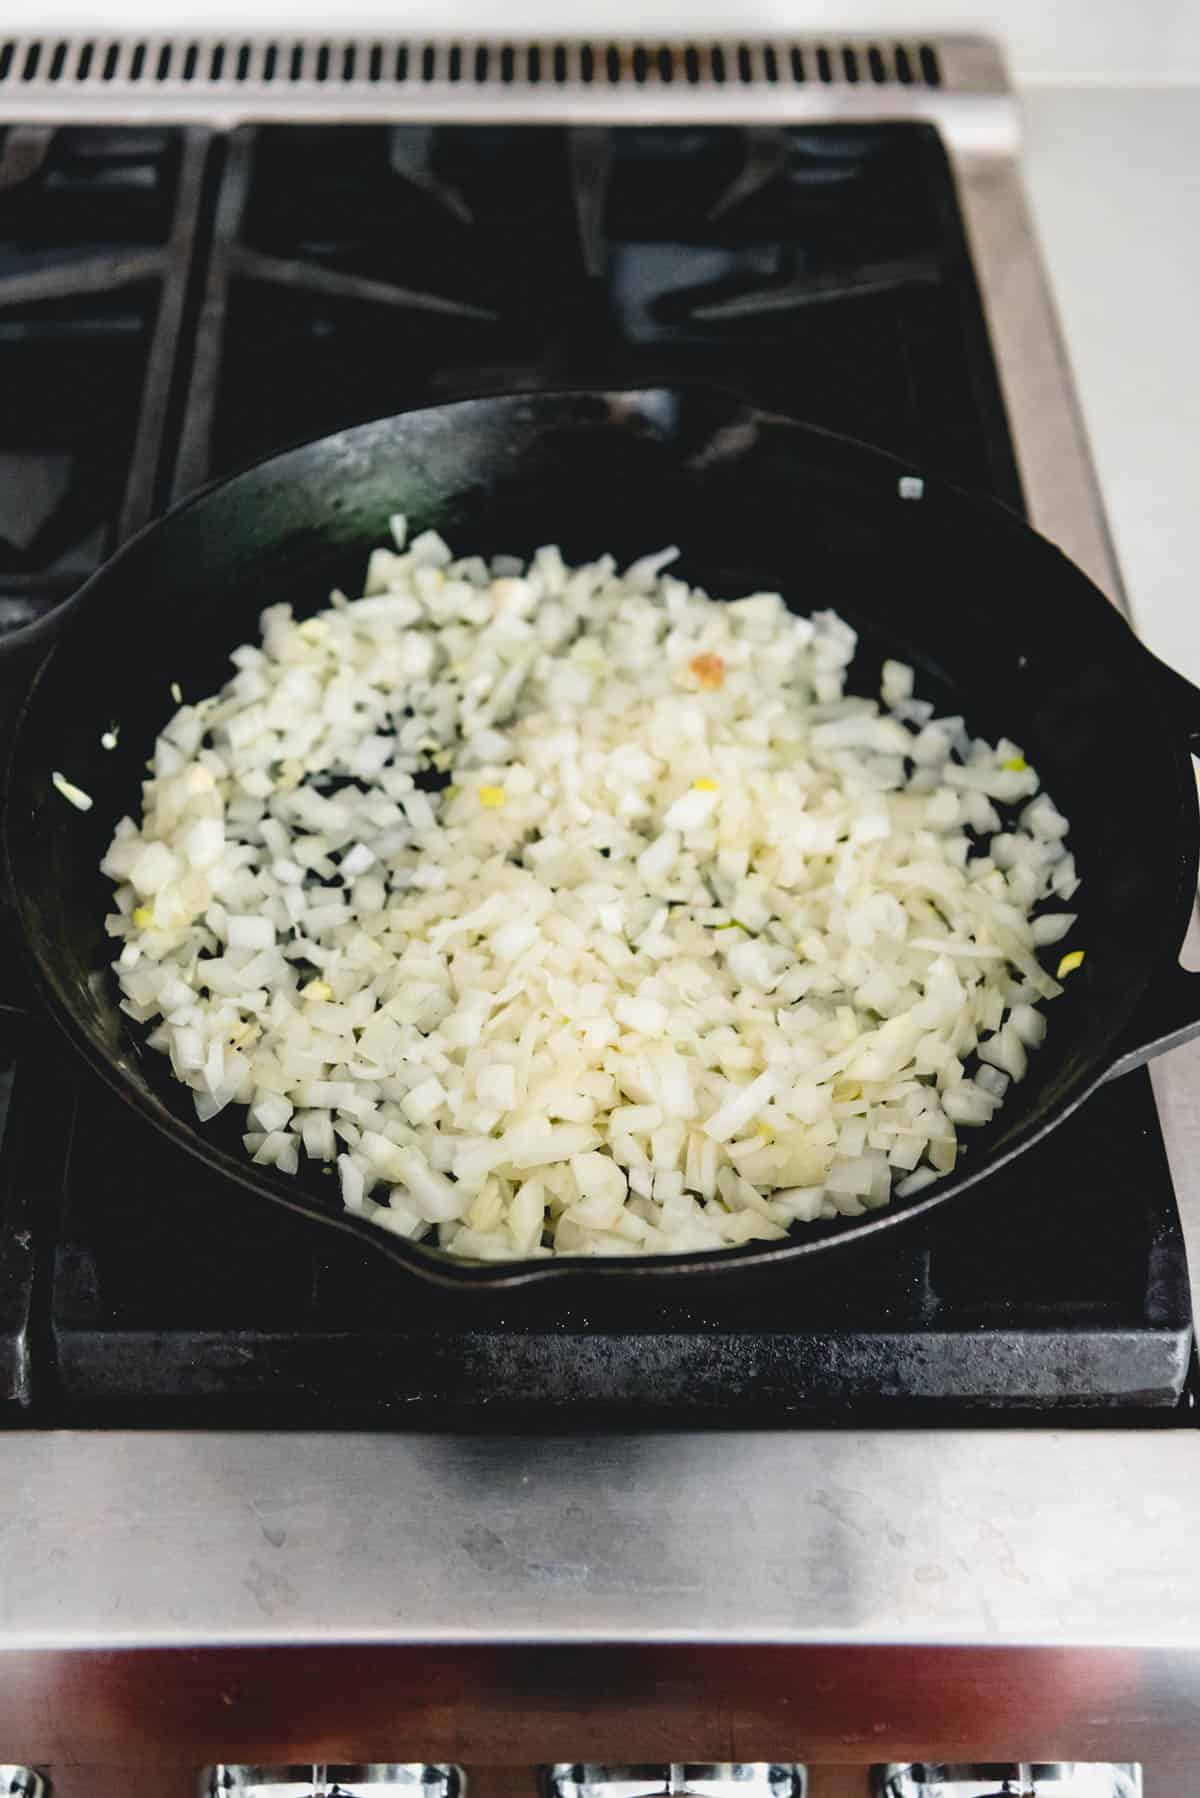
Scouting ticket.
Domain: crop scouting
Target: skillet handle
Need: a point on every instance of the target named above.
(1169, 1015)
(1180, 697)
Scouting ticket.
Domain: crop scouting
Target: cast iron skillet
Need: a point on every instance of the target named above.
(998, 623)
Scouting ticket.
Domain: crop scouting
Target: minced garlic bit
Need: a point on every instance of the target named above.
(1016, 764)
(75, 795)
(176, 692)
(108, 739)
(491, 798)
(1069, 963)
(709, 670)
(143, 917)
(705, 786)
(317, 989)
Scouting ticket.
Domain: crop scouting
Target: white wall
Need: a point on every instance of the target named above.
(1115, 185)
(1048, 41)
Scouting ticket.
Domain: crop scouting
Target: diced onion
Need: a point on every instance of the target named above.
(567, 911)
(74, 795)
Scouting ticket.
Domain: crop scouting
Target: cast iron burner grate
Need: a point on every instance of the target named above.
(96, 228)
(822, 270)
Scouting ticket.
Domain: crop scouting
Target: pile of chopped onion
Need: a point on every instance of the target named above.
(571, 911)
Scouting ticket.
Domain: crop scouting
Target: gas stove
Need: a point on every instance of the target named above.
(209, 250)
(179, 302)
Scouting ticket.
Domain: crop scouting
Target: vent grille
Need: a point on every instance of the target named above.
(279, 64)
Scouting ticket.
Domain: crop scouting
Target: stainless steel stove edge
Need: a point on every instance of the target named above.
(222, 80)
(851, 1538)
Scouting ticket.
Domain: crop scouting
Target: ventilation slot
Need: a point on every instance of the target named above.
(249, 65)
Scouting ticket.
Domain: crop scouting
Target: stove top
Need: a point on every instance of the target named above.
(174, 303)
(96, 228)
(823, 271)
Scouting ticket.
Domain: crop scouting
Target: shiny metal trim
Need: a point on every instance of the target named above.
(227, 81)
(858, 1538)
(1176, 1082)
(1055, 460)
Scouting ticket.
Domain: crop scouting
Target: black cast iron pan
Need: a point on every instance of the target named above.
(1000, 626)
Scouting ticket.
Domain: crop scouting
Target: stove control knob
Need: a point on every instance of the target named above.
(22, 1782)
(401, 1779)
(1015, 1779)
(727, 1779)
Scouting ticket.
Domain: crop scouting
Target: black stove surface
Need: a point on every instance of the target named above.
(94, 233)
(172, 306)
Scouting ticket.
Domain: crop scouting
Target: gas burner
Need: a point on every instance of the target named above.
(79, 186)
(95, 235)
